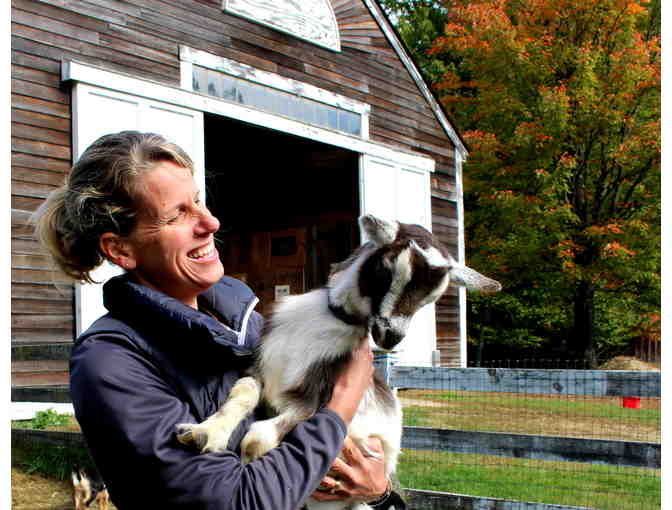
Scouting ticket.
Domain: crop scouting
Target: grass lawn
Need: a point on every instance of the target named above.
(561, 483)
(564, 483)
(548, 415)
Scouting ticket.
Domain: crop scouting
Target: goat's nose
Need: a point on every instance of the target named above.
(392, 338)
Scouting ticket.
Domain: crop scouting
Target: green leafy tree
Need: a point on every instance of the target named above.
(559, 101)
(419, 23)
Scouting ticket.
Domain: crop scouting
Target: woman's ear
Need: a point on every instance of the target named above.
(117, 250)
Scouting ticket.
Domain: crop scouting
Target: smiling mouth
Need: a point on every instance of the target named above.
(203, 252)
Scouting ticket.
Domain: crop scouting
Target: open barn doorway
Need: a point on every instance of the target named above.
(288, 206)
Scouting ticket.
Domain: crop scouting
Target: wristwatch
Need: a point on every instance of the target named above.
(388, 501)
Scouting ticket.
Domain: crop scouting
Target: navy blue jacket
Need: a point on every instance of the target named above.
(151, 363)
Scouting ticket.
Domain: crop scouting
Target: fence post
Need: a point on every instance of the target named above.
(436, 359)
(383, 363)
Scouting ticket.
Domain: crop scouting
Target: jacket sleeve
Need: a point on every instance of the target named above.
(128, 415)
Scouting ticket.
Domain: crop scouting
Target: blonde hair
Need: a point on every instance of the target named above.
(101, 194)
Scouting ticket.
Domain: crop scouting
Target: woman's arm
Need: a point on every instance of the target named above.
(128, 414)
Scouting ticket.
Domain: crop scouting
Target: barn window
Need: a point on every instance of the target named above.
(265, 98)
(239, 83)
(310, 20)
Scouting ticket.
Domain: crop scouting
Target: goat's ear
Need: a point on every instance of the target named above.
(379, 231)
(463, 276)
(432, 256)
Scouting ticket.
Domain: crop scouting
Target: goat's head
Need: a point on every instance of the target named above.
(400, 269)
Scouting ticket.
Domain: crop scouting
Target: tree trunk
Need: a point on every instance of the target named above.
(485, 319)
(582, 344)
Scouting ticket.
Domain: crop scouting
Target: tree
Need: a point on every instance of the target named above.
(419, 23)
(559, 101)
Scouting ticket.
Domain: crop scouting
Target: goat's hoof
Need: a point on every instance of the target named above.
(189, 434)
(200, 436)
(208, 437)
(253, 450)
(256, 443)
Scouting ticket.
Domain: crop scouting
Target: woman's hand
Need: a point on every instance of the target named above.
(352, 382)
(359, 478)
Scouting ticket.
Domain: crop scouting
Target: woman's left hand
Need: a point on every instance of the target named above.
(358, 477)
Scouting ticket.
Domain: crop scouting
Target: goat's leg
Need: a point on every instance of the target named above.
(267, 434)
(388, 430)
(213, 434)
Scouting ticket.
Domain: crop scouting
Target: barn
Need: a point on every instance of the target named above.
(300, 116)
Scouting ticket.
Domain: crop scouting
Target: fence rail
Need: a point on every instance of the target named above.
(597, 383)
(431, 500)
(562, 383)
(548, 383)
(523, 446)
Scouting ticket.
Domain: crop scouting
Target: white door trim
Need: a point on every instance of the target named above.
(84, 73)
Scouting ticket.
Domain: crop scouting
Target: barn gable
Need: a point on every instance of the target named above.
(142, 39)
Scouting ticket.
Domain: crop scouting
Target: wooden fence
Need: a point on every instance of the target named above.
(545, 382)
(586, 383)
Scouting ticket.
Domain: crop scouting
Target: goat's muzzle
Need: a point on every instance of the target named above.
(384, 335)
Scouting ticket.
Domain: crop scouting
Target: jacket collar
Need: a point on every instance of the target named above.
(149, 309)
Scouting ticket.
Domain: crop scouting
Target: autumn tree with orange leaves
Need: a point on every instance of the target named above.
(559, 101)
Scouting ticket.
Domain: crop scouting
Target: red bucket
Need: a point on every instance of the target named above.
(631, 402)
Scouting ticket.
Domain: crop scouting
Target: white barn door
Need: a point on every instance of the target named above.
(398, 191)
(99, 111)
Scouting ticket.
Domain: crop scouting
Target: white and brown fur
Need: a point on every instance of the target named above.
(309, 338)
(88, 487)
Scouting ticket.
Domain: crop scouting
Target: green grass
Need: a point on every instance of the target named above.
(43, 420)
(587, 417)
(585, 407)
(50, 460)
(53, 461)
(561, 483)
(49, 420)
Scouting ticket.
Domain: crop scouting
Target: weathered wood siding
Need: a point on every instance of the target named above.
(141, 38)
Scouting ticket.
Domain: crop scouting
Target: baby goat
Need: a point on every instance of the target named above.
(88, 487)
(375, 292)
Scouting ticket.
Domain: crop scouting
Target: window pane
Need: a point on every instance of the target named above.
(271, 100)
(282, 105)
(243, 92)
(199, 79)
(214, 84)
(307, 112)
(294, 107)
(321, 115)
(229, 88)
(332, 118)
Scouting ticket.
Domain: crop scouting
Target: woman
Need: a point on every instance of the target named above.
(177, 337)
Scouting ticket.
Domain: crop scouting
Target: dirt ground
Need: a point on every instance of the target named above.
(35, 492)
(629, 363)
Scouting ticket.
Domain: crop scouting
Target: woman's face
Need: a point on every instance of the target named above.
(172, 246)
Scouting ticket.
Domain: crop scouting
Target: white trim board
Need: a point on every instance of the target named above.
(461, 257)
(84, 73)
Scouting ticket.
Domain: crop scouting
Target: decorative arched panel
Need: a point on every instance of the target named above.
(311, 20)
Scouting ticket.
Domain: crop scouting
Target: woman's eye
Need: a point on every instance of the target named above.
(175, 217)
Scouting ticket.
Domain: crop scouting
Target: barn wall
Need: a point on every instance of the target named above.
(141, 38)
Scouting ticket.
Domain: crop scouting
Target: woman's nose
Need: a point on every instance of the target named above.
(207, 223)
